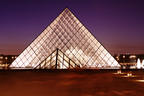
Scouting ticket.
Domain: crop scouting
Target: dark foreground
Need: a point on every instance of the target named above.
(70, 83)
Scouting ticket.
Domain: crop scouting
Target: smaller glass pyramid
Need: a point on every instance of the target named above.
(57, 60)
(68, 36)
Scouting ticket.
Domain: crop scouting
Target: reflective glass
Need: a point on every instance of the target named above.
(67, 34)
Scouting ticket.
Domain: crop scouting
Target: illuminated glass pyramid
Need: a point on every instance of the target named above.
(65, 43)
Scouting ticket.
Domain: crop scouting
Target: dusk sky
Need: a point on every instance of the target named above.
(117, 24)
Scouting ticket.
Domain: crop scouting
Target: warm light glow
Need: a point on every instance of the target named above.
(3, 65)
(143, 64)
(123, 56)
(72, 38)
(6, 58)
(139, 81)
(1, 57)
(129, 74)
(138, 64)
(132, 56)
(119, 72)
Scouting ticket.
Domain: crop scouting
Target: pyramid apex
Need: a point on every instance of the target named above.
(66, 9)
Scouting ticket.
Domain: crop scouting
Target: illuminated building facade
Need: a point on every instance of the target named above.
(65, 44)
(6, 60)
(129, 61)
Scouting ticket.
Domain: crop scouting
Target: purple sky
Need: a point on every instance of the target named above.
(117, 24)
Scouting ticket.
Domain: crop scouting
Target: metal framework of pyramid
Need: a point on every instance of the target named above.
(65, 43)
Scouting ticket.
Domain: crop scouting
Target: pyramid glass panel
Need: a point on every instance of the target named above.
(78, 47)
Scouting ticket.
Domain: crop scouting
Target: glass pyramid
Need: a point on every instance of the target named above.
(57, 60)
(65, 35)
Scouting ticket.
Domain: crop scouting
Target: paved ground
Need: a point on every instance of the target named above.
(74, 83)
